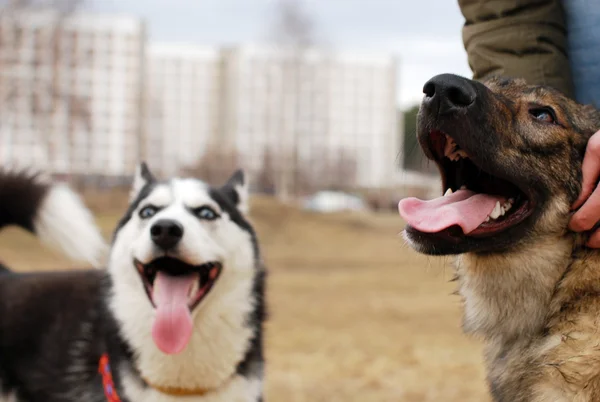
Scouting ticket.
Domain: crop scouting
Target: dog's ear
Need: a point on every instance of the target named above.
(142, 177)
(237, 191)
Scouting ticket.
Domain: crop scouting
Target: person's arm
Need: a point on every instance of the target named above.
(518, 38)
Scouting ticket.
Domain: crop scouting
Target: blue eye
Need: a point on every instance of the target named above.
(148, 212)
(206, 213)
(543, 114)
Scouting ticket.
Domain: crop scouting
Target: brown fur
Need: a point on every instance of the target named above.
(533, 295)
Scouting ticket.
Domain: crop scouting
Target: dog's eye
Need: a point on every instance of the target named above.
(206, 213)
(148, 212)
(543, 114)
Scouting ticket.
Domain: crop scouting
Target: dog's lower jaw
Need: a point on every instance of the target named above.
(220, 340)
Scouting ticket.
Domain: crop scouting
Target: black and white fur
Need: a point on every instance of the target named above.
(55, 326)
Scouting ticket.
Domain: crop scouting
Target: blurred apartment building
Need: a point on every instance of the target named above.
(86, 95)
(182, 105)
(309, 113)
(70, 92)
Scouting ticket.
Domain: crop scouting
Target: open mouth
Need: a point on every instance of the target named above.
(185, 282)
(475, 202)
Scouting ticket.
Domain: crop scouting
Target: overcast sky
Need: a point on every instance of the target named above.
(424, 34)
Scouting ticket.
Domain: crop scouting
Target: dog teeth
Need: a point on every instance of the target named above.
(497, 211)
(450, 147)
(450, 191)
(457, 155)
(194, 289)
(451, 150)
(500, 209)
(461, 154)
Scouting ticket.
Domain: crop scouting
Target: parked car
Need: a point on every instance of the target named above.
(334, 201)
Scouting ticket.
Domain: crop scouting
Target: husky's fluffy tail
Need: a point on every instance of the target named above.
(51, 211)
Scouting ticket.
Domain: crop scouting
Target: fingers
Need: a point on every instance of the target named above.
(588, 215)
(594, 240)
(590, 169)
(588, 201)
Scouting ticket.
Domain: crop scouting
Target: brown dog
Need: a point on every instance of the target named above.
(511, 154)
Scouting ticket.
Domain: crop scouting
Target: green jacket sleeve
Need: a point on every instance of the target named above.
(518, 38)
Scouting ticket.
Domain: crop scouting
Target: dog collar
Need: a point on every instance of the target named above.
(177, 391)
(111, 393)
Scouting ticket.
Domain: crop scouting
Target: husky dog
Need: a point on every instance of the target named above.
(510, 157)
(177, 316)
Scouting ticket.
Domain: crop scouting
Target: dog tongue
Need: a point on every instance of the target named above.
(172, 327)
(463, 208)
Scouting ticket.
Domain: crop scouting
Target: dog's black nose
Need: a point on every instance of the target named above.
(449, 93)
(166, 233)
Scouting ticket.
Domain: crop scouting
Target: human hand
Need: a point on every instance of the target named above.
(589, 199)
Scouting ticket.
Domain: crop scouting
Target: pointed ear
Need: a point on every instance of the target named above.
(142, 177)
(237, 190)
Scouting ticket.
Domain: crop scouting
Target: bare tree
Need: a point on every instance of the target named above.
(341, 174)
(294, 34)
(311, 173)
(325, 170)
(267, 174)
(36, 64)
(216, 165)
(293, 26)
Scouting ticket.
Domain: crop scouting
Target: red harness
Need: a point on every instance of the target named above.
(107, 381)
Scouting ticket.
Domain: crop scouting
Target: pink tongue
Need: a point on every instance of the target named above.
(463, 208)
(172, 327)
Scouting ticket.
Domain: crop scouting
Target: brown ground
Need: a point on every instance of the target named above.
(355, 314)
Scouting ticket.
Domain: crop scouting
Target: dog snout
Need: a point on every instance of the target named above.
(449, 93)
(166, 233)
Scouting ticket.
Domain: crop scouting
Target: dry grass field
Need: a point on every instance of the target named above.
(354, 314)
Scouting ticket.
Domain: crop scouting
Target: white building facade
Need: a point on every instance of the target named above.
(183, 104)
(307, 110)
(71, 92)
(85, 95)
(315, 108)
